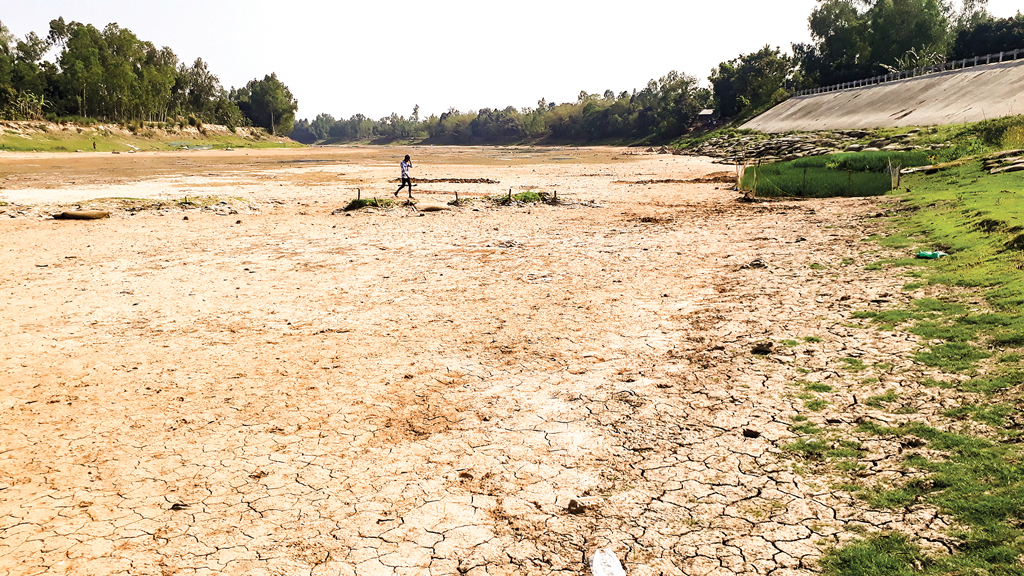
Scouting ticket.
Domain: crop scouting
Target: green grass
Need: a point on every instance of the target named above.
(974, 475)
(992, 414)
(877, 401)
(56, 139)
(815, 405)
(853, 364)
(845, 174)
(817, 387)
(980, 486)
(952, 357)
(887, 554)
(529, 197)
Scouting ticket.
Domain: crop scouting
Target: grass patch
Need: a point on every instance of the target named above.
(877, 401)
(369, 203)
(805, 428)
(812, 339)
(529, 197)
(980, 485)
(888, 554)
(815, 405)
(81, 137)
(993, 415)
(845, 174)
(952, 357)
(853, 364)
(817, 387)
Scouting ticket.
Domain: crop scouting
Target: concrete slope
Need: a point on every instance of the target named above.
(968, 95)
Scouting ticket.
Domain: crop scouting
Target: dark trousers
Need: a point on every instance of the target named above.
(406, 181)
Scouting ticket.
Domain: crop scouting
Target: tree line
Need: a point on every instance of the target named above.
(664, 109)
(112, 75)
(850, 40)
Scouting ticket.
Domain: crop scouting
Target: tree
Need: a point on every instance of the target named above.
(840, 51)
(81, 69)
(268, 103)
(747, 84)
(855, 39)
(895, 27)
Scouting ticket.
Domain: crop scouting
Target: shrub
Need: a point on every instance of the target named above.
(369, 202)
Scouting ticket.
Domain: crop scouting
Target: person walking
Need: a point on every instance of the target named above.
(406, 180)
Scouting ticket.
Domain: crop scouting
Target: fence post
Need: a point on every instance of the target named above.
(1000, 56)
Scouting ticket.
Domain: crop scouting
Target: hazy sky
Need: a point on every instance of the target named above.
(382, 57)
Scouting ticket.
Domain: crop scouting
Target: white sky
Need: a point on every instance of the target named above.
(372, 57)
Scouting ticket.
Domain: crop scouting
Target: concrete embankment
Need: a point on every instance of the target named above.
(954, 97)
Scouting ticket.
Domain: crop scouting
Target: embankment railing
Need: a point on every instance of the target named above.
(952, 65)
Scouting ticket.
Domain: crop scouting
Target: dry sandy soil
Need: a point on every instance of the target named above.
(268, 387)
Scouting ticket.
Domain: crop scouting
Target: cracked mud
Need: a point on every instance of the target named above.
(482, 391)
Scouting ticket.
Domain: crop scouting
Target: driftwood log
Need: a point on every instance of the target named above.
(82, 215)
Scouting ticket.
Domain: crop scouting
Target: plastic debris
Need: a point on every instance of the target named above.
(931, 255)
(604, 563)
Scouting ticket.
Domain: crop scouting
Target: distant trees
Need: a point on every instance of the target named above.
(663, 110)
(111, 74)
(989, 36)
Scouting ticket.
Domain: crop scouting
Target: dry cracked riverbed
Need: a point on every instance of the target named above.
(270, 388)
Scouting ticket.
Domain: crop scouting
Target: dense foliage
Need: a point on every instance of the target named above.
(855, 39)
(111, 74)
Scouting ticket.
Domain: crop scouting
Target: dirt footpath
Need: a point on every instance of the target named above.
(271, 388)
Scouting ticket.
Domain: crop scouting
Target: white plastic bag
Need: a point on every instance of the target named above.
(604, 563)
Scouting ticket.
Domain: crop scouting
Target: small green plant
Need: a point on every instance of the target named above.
(815, 405)
(812, 339)
(817, 387)
(853, 364)
(877, 401)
